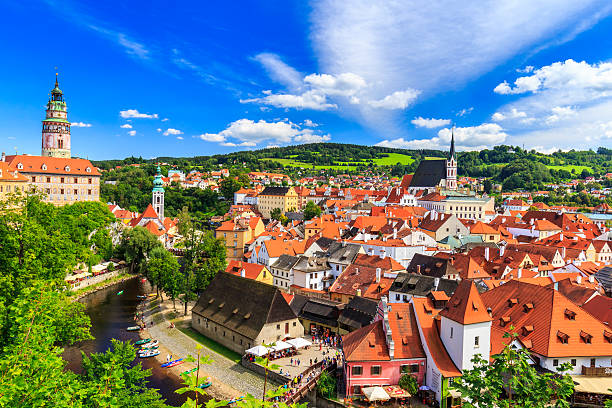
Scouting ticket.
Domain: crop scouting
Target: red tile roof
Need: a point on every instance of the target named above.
(466, 305)
(54, 165)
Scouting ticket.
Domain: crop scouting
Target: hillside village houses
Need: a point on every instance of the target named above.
(447, 273)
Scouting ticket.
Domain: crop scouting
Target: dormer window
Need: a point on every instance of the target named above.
(20, 166)
(570, 314)
(88, 169)
(527, 307)
(44, 167)
(504, 321)
(608, 336)
(586, 337)
(527, 329)
(67, 168)
(563, 337)
(512, 302)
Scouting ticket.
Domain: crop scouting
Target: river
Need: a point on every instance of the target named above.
(110, 315)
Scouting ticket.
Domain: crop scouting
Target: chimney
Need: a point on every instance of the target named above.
(486, 253)
(436, 283)
(502, 249)
(378, 272)
(579, 279)
(563, 253)
(358, 292)
(394, 233)
(3, 157)
(383, 254)
(519, 273)
(592, 279)
(419, 269)
(561, 237)
(242, 272)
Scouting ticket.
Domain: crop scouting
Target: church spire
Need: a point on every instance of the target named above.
(452, 148)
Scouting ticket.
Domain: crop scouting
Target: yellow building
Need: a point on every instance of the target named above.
(11, 181)
(270, 198)
(60, 180)
(236, 233)
(257, 272)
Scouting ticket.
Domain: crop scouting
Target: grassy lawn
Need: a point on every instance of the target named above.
(211, 344)
(394, 158)
(570, 167)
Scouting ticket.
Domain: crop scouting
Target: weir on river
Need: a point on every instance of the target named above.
(110, 316)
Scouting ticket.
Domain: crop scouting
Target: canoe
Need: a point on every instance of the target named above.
(148, 353)
(205, 385)
(190, 371)
(133, 328)
(147, 347)
(171, 362)
(175, 363)
(141, 297)
(151, 344)
(120, 293)
(143, 341)
(234, 400)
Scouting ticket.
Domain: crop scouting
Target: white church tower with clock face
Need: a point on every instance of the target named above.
(55, 127)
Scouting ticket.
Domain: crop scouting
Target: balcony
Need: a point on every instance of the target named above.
(597, 371)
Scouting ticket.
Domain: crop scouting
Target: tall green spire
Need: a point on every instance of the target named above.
(158, 183)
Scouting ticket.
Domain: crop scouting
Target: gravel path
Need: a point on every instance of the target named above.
(229, 379)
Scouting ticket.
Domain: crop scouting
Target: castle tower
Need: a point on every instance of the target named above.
(56, 128)
(451, 166)
(158, 194)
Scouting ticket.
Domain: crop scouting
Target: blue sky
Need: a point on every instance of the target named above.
(162, 78)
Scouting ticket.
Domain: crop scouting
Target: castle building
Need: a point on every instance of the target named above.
(56, 128)
(60, 179)
(158, 195)
(434, 175)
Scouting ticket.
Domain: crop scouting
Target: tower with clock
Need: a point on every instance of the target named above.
(56, 127)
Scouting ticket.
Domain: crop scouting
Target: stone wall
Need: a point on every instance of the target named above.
(272, 375)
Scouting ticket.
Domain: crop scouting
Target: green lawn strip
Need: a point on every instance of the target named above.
(570, 167)
(89, 288)
(394, 158)
(211, 344)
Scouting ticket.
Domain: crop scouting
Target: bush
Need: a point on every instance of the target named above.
(326, 385)
(409, 383)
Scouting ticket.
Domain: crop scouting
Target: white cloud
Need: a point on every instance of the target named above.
(133, 113)
(279, 70)
(179, 137)
(309, 123)
(430, 123)
(132, 133)
(80, 124)
(132, 47)
(307, 100)
(396, 100)
(159, 129)
(466, 138)
(465, 111)
(346, 84)
(165, 119)
(559, 113)
(567, 75)
(171, 131)
(512, 114)
(126, 126)
(246, 132)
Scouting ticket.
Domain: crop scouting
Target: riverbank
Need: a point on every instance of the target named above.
(81, 293)
(229, 378)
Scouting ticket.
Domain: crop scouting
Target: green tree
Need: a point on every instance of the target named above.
(488, 186)
(276, 214)
(136, 244)
(409, 383)
(311, 210)
(228, 187)
(326, 385)
(162, 267)
(510, 381)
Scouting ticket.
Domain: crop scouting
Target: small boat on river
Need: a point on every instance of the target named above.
(235, 400)
(143, 341)
(133, 328)
(171, 362)
(148, 353)
(205, 385)
(190, 371)
(175, 363)
(152, 344)
(120, 293)
(141, 297)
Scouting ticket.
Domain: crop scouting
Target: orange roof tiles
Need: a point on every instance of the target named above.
(52, 165)
(466, 305)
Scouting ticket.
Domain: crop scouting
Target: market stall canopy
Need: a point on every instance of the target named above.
(77, 276)
(299, 343)
(376, 394)
(592, 385)
(281, 345)
(396, 392)
(258, 351)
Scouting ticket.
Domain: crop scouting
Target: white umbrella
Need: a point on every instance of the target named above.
(299, 343)
(281, 345)
(376, 394)
(258, 351)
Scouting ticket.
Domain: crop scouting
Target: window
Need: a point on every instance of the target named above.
(357, 370)
(61, 179)
(375, 370)
(89, 180)
(48, 179)
(555, 362)
(356, 389)
(477, 341)
(89, 192)
(278, 327)
(593, 362)
(451, 333)
(294, 324)
(574, 362)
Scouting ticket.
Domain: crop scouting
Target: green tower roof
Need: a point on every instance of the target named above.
(158, 183)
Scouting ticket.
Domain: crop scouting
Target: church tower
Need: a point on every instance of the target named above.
(451, 166)
(56, 128)
(158, 194)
